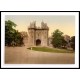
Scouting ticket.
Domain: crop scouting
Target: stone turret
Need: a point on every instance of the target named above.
(32, 24)
(44, 25)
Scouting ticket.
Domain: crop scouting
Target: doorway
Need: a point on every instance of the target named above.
(38, 42)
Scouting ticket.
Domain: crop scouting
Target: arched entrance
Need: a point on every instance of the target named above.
(38, 42)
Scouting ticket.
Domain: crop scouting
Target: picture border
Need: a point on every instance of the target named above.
(35, 67)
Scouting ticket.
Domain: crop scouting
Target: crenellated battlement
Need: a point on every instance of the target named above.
(33, 25)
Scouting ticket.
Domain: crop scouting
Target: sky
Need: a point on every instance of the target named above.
(65, 23)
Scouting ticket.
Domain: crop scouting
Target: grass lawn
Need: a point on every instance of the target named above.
(47, 49)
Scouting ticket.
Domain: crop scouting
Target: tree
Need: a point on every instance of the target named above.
(64, 43)
(73, 42)
(18, 39)
(58, 39)
(12, 36)
(9, 32)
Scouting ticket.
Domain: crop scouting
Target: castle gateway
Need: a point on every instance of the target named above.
(38, 36)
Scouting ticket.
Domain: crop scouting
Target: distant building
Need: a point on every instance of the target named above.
(25, 37)
(67, 39)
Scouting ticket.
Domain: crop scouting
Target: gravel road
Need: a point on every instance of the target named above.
(21, 55)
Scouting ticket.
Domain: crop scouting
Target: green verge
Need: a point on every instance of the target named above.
(56, 50)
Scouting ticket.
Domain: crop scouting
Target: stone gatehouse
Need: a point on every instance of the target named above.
(38, 36)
